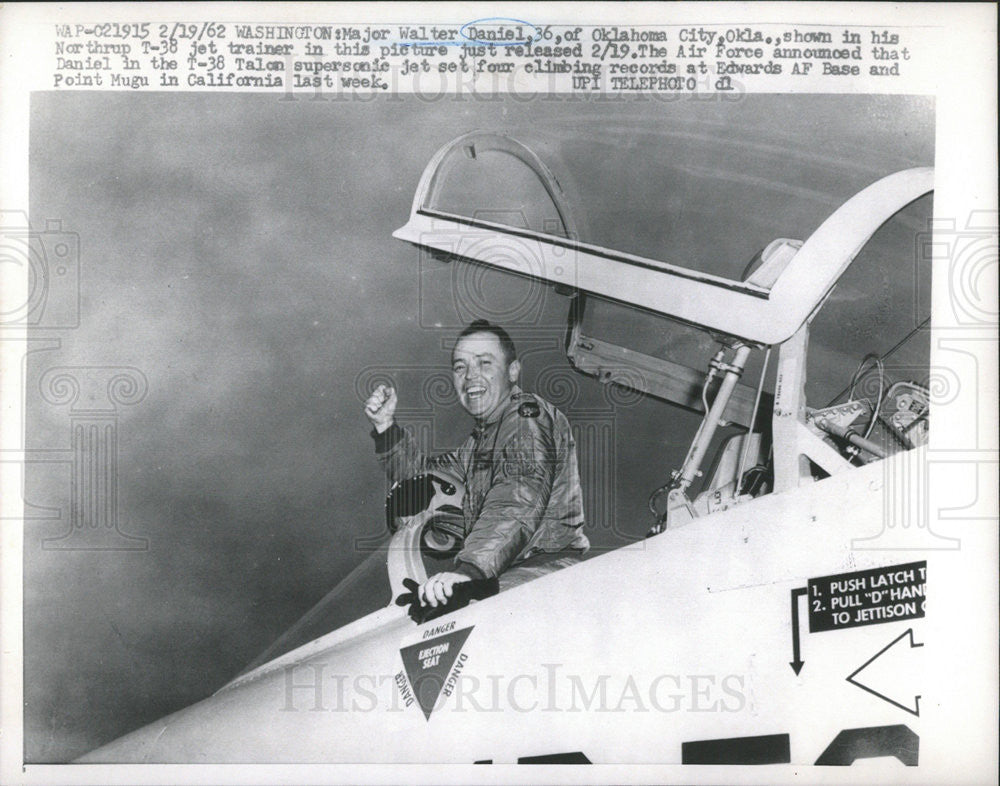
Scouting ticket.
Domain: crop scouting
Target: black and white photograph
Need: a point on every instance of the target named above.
(591, 429)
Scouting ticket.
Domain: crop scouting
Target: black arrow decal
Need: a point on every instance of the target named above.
(853, 678)
(797, 663)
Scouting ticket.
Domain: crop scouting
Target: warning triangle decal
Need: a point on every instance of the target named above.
(428, 664)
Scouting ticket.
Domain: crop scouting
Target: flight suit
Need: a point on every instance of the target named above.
(522, 501)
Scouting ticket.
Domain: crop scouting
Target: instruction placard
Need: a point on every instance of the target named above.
(867, 597)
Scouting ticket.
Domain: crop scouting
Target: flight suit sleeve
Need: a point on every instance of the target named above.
(397, 452)
(523, 471)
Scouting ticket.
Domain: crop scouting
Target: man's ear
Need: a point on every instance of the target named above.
(514, 371)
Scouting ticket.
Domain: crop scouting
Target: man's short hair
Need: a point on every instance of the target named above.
(484, 326)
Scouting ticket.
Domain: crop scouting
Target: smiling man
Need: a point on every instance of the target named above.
(523, 509)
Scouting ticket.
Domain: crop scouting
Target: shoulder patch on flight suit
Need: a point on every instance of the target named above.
(529, 409)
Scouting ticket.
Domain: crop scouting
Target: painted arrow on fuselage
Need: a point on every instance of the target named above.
(887, 672)
(796, 663)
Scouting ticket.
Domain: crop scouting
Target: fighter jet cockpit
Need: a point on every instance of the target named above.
(784, 321)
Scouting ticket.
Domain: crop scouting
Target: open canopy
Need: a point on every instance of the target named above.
(743, 309)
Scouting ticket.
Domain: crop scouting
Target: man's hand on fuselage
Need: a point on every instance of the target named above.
(438, 588)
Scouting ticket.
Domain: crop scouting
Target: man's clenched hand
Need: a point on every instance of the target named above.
(380, 408)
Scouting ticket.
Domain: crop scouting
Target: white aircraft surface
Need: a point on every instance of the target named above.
(748, 628)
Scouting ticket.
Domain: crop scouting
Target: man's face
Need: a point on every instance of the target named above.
(482, 376)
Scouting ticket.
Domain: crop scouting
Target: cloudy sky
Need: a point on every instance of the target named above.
(236, 264)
